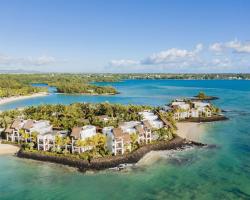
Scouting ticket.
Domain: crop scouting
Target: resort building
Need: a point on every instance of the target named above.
(203, 108)
(152, 119)
(129, 127)
(28, 126)
(144, 132)
(82, 133)
(118, 142)
(47, 141)
(13, 131)
(183, 109)
(38, 127)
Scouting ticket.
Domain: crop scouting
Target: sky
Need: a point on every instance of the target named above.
(125, 36)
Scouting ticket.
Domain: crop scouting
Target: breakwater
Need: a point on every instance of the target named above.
(111, 161)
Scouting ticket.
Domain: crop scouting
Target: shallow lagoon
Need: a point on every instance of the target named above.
(221, 173)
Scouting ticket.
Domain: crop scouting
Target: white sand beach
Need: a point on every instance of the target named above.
(15, 98)
(190, 130)
(8, 149)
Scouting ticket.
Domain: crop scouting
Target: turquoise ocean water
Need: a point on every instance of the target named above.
(220, 173)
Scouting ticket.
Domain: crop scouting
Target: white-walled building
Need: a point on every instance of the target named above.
(184, 110)
(28, 126)
(152, 118)
(47, 141)
(118, 142)
(144, 133)
(41, 126)
(13, 131)
(203, 108)
(82, 133)
(129, 127)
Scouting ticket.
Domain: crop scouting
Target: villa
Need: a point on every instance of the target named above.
(144, 132)
(13, 131)
(118, 139)
(203, 108)
(129, 127)
(47, 141)
(152, 119)
(28, 126)
(192, 109)
(118, 142)
(82, 133)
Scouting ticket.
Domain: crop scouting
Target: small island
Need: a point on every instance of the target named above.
(21, 86)
(100, 136)
(203, 97)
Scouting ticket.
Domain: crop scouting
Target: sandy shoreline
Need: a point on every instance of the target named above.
(190, 130)
(8, 149)
(16, 98)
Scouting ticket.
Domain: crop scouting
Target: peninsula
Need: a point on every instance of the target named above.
(98, 136)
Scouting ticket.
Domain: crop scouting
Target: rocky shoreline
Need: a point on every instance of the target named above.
(112, 161)
(206, 119)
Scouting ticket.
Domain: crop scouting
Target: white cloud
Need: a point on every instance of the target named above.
(234, 45)
(123, 63)
(199, 59)
(173, 56)
(217, 47)
(239, 47)
(198, 48)
(26, 61)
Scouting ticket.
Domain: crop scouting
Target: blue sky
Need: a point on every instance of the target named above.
(125, 36)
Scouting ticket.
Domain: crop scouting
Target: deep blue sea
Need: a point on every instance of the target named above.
(219, 173)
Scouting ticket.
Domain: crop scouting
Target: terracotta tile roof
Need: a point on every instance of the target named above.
(147, 124)
(8, 129)
(117, 132)
(17, 124)
(28, 124)
(139, 128)
(126, 138)
(76, 132)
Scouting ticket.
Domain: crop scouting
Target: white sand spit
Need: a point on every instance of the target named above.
(8, 149)
(15, 98)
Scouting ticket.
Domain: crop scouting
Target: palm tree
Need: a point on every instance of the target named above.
(80, 143)
(165, 133)
(134, 141)
(58, 142)
(34, 136)
(24, 135)
(201, 95)
(65, 142)
(98, 142)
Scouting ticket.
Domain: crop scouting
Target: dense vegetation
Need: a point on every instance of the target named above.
(77, 114)
(10, 87)
(83, 88)
(21, 84)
